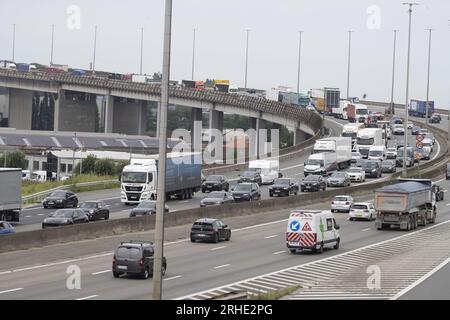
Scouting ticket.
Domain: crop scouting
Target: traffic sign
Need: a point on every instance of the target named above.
(419, 137)
(417, 155)
(419, 145)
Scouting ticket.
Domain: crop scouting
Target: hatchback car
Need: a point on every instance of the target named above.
(246, 192)
(391, 153)
(250, 176)
(208, 229)
(362, 210)
(388, 166)
(313, 183)
(60, 199)
(356, 174)
(95, 210)
(284, 187)
(65, 217)
(215, 183)
(146, 208)
(339, 179)
(398, 129)
(6, 228)
(341, 204)
(216, 198)
(135, 258)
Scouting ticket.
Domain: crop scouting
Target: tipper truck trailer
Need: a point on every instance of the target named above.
(407, 204)
(10, 194)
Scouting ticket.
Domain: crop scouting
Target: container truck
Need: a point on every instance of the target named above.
(417, 108)
(183, 177)
(10, 194)
(341, 146)
(332, 97)
(369, 137)
(23, 67)
(407, 204)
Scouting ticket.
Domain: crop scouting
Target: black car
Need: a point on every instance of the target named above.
(283, 187)
(135, 258)
(147, 207)
(415, 130)
(208, 229)
(313, 183)
(60, 199)
(372, 168)
(250, 176)
(216, 198)
(65, 217)
(246, 192)
(435, 119)
(339, 179)
(215, 183)
(388, 166)
(95, 210)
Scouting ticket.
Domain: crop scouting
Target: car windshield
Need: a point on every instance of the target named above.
(356, 154)
(392, 150)
(375, 153)
(147, 204)
(388, 163)
(400, 153)
(361, 111)
(216, 195)
(249, 174)
(243, 187)
(354, 170)
(349, 134)
(128, 253)
(58, 194)
(314, 162)
(134, 177)
(365, 141)
(368, 164)
(312, 178)
(359, 207)
(341, 199)
(63, 214)
(284, 182)
(88, 205)
(338, 175)
(213, 178)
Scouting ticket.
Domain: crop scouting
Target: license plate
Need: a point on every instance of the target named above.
(277, 191)
(122, 267)
(359, 215)
(308, 187)
(293, 243)
(209, 187)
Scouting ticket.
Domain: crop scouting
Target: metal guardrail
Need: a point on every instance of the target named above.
(64, 187)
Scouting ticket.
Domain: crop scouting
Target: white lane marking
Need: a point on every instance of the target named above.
(440, 180)
(367, 229)
(40, 214)
(279, 252)
(89, 297)
(11, 290)
(218, 248)
(448, 204)
(5, 272)
(222, 266)
(444, 190)
(172, 278)
(27, 216)
(422, 279)
(272, 236)
(100, 272)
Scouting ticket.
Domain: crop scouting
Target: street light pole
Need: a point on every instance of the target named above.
(193, 56)
(348, 62)
(392, 111)
(246, 59)
(299, 59)
(405, 147)
(142, 50)
(161, 191)
(95, 48)
(51, 49)
(14, 42)
(428, 75)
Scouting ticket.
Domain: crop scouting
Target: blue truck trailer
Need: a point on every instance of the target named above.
(417, 108)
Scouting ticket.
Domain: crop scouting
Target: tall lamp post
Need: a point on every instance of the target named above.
(13, 42)
(410, 4)
(161, 191)
(193, 55)
(348, 62)
(299, 59)
(51, 48)
(428, 75)
(142, 50)
(95, 48)
(246, 59)
(392, 111)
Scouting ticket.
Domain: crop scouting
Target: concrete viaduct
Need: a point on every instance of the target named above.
(124, 104)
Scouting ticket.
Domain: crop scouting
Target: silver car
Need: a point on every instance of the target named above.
(341, 204)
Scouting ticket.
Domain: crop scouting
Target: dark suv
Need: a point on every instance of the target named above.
(135, 258)
(250, 176)
(372, 168)
(283, 186)
(215, 183)
(211, 230)
(246, 192)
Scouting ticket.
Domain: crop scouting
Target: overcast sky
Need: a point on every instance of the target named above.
(220, 49)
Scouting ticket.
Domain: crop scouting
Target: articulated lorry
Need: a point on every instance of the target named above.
(10, 194)
(367, 138)
(139, 179)
(340, 146)
(407, 204)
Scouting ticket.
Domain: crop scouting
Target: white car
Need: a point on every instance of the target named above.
(427, 145)
(362, 210)
(356, 174)
(341, 203)
(410, 125)
(356, 156)
(391, 153)
(398, 129)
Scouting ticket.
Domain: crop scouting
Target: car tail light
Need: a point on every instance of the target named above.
(141, 262)
(114, 258)
(315, 237)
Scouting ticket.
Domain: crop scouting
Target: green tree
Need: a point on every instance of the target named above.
(120, 165)
(15, 159)
(104, 167)
(87, 165)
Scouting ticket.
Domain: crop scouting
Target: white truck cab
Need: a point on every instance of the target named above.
(312, 230)
(320, 164)
(137, 181)
(377, 153)
(268, 169)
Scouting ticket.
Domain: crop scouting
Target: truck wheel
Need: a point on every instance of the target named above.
(320, 250)
(292, 251)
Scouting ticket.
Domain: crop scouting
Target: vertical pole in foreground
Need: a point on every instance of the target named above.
(428, 76)
(392, 110)
(193, 57)
(95, 48)
(299, 59)
(161, 190)
(14, 42)
(246, 59)
(348, 62)
(51, 49)
(142, 50)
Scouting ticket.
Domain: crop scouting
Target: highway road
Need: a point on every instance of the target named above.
(257, 247)
(32, 217)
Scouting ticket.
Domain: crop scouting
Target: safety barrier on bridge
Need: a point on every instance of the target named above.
(301, 115)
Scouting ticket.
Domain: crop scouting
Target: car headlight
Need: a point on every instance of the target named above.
(374, 170)
(218, 202)
(91, 211)
(286, 188)
(59, 201)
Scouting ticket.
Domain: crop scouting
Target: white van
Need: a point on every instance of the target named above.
(311, 230)
(268, 169)
(377, 153)
(320, 164)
